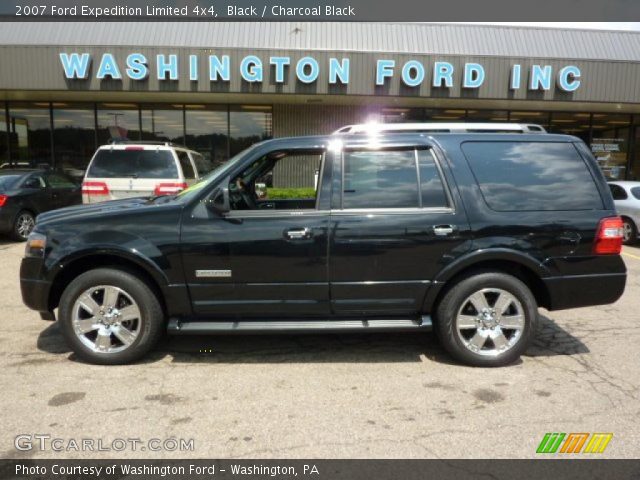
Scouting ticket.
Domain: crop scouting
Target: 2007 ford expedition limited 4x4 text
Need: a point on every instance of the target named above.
(464, 233)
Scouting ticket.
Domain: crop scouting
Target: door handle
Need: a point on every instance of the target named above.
(443, 230)
(298, 233)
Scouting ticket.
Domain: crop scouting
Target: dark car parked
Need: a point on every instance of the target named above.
(468, 233)
(25, 193)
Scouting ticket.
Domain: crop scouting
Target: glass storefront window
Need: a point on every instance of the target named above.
(4, 137)
(247, 125)
(74, 137)
(576, 124)
(30, 134)
(490, 116)
(610, 143)
(118, 121)
(207, 132)
(634, 172)
(164, 123)
(538, 118)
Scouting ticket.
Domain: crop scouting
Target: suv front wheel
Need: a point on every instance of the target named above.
(110, 317)
(487, 319)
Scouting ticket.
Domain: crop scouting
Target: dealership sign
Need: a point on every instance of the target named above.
(251, 68)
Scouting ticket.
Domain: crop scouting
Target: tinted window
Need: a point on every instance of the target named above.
(60, 181)
(382, 179)
(34, 181)
(635, 191)
(618, 192)
(185, 164)
(431, 187)
(134, 164)
(8, 181)
(532, 176)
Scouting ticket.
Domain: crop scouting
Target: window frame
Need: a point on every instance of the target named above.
(615, 186)
(448, 208)
(320, 191)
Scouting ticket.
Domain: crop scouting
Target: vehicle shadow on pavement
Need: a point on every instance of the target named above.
(551, 340)
(6, 242)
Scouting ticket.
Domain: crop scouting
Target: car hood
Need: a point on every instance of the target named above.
(110, 207)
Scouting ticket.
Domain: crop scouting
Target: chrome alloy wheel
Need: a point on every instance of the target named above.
(490, 321)
(25, 224)
(106, 319)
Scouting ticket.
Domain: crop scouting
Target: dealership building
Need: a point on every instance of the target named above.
(66, 88)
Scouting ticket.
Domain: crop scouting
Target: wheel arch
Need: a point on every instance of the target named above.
(84, 263)
(631, 219)
(523, 267)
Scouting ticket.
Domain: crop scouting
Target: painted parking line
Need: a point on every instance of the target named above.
(626, 254)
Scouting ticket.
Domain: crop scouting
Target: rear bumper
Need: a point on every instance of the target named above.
(573, 291)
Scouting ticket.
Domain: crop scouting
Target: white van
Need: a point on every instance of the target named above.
(141, 169)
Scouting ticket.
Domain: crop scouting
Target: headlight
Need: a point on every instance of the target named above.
(36, 244)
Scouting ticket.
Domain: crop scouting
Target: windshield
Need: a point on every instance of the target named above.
(134, 164)
(218, 172)
(8, 181)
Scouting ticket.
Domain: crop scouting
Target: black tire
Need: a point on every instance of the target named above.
(631, 226)
(23, 218)
(151, 316)
(458, 297)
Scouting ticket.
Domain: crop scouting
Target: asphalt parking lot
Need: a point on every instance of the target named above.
(329, 396)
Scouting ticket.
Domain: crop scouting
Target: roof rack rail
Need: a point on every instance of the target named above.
(442, 127)
(142, 142)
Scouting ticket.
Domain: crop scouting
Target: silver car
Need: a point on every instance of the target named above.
(626, 196)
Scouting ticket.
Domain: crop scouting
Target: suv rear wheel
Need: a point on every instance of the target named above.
(487, 319)
(110, 317)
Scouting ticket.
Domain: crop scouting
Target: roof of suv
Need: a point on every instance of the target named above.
(390, 138)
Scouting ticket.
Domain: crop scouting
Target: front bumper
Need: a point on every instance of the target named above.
(35, 290)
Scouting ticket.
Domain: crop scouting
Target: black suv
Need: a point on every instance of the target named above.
(468, 233)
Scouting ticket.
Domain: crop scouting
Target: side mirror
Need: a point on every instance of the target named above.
(219, 202)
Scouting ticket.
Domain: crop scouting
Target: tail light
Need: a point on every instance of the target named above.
(95, 188)
(3, 200)
(169, 188)
(608, 239)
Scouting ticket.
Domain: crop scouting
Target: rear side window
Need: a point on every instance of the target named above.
(133, 164)
(532, 176)
(380, 179)
(392, 179)
(431, 188)
(635, 191)
(185, 164)
(57, 180)
(617, 192)
(203, 165)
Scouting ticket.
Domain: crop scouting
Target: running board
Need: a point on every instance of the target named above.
(180, 327)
